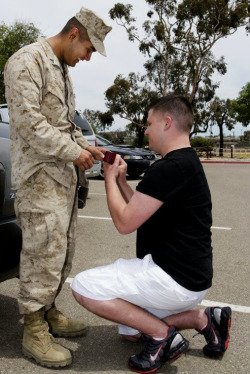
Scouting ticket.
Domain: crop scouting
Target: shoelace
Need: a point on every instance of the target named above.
(150, 348)
(209, 335)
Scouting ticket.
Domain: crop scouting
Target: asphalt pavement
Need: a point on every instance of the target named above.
(102, 350)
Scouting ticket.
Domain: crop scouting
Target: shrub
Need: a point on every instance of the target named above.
(200, 142)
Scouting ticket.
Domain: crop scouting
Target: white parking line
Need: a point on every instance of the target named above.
(235, 308)
(221, 228)
(91, 217)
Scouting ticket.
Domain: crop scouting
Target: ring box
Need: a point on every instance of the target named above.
(109, 157)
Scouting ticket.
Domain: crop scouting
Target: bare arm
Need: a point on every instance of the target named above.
(129, 210)
(124, 187)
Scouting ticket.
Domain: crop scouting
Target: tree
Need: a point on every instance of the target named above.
(130, 97)
(99, 120)
(13, 38)
(220, 115)
(241, 106)
(178, 39)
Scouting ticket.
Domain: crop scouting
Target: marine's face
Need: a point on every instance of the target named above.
(78, 51)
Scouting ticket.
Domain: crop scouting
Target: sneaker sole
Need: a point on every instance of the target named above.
(225, 328)
(48, 364)
(143, 372)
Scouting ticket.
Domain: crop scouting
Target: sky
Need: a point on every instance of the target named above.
(91, 79)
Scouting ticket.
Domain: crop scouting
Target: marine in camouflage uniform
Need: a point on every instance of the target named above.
(42, 108)
(45, 144)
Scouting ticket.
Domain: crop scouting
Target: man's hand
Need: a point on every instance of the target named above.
(85, 161)
(97, 152)
(122, 172)
(117, 170)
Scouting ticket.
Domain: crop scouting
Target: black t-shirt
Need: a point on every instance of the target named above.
(178, 235)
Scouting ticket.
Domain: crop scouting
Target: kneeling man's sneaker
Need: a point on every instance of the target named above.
(156, 352)
(216, 332)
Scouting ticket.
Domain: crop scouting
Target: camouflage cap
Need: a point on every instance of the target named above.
(95, 26)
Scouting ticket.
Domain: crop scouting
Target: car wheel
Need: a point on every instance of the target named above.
(101, 175)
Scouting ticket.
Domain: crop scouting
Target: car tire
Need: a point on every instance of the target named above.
(101, 175)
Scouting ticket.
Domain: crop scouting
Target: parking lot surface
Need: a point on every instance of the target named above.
(102, 350)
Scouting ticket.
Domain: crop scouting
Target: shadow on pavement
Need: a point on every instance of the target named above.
(11, 329)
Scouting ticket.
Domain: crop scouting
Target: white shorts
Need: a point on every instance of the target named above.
(141, 282)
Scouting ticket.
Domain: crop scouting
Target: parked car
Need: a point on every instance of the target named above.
(89, 134)
(4, 115)
(10, 232)
(138, 159)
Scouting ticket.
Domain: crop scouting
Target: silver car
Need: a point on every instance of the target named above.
(89, 135)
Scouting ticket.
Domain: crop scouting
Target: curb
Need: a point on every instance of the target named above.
(225, 162)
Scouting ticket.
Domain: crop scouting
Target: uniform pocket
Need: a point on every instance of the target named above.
(37, 231)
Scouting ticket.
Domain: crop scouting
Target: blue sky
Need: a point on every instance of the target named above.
(91, 79)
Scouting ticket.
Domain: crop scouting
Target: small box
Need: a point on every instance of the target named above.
(109, 157)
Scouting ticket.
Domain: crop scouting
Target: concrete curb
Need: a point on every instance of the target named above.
(237, 162)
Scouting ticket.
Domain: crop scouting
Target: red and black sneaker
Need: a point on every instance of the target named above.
(216, 332)
(156, 352)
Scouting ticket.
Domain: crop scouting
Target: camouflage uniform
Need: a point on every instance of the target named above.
(44, 144)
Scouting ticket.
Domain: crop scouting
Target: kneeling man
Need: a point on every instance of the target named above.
(154, 295)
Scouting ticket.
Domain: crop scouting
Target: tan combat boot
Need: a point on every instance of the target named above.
(63, 326)
(40, 345)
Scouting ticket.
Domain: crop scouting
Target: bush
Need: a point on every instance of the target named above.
(200, 142)
(136, 141)
(116, 137)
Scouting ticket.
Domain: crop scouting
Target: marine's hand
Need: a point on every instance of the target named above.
(85, 161)
(97, 152)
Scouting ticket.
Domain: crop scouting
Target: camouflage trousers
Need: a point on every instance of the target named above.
(47, 213)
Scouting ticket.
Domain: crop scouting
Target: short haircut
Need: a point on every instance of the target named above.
(178, 107)
(73, 22)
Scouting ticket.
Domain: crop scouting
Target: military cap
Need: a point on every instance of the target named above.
(95, 26)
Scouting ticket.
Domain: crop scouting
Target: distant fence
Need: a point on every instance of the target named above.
(231, 152)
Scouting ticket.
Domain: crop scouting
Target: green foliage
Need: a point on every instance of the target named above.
(12, 38)
(130, 97)
(99, 120)
(218, 17)
(220, 115)
(116, 137)
(200, 142)
(240, 108)
(140, 145)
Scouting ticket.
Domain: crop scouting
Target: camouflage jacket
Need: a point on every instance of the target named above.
(41, 106)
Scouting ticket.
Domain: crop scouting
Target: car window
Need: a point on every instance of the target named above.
(81, 122)
(102, 142)
(4, 116)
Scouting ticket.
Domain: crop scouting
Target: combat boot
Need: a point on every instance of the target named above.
(63, 326)
(40, 345)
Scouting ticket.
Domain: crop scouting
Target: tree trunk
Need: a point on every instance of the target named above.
(221, 140)
(140, 134)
